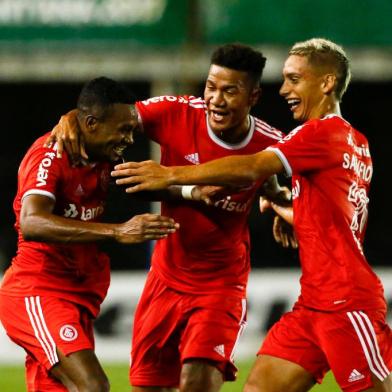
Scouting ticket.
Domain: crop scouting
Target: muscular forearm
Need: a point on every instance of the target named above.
(233, 170)
(53, 228)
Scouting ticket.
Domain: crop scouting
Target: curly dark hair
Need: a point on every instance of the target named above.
(103, 92)
(241, 58)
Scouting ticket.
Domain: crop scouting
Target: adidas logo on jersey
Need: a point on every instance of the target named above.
(79, 190)
(355, 376)
(193, 158)
(220, 350)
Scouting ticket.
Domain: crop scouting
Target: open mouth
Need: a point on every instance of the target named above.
(119, 150)
(293, 103)
(218, 116)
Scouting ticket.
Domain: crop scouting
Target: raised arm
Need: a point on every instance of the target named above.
(38, 223)
(229, 171)
(68, 136)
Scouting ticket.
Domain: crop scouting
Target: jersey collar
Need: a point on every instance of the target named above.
(232, 146)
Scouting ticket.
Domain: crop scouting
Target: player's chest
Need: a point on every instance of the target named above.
(198, 145)
(86, 190)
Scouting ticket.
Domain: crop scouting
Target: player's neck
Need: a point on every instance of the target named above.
(236, 135)
(325, 109)
(333, 109)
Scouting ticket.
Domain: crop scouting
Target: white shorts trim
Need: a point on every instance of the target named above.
(37, 320)
(242, 325)
(367, 337)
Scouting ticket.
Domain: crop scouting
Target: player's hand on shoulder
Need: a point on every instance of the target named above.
(145, 227)
(68, 137)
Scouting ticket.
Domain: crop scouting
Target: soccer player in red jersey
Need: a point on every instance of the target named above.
(54, 287)
(338, 322)
(193, 308)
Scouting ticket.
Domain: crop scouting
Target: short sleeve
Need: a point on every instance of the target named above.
(309, 147)
(159, 116)
(40, 172)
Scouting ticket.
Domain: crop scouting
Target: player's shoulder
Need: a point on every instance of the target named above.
(38, 151)
(265, 130)
(333, 121)
(336, 124)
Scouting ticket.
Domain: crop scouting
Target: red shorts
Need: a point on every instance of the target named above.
(42, 326)
(171, 327)
(354, 345)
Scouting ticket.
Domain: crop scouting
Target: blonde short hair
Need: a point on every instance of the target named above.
(324, 53)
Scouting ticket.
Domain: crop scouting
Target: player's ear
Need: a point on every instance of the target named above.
(91, 122)
(255, 95)
(328, 83)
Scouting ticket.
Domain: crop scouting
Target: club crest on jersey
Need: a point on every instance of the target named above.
(68, 333)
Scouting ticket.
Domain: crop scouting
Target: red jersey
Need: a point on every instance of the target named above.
(76, 272)
(331, 170)
(210, 251)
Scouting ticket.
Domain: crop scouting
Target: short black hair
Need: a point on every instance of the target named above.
(101, 93)
(241, 58)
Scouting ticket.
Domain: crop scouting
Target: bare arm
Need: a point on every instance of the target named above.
(233, 170)
(38, 223)
(207, 194)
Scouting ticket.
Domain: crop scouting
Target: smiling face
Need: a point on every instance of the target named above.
(108, 136)
(229, 95)
(306, 89)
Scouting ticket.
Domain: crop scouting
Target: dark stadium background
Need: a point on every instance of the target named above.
(31, 109)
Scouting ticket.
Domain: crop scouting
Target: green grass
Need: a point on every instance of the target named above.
(12, 379)
(328, 385)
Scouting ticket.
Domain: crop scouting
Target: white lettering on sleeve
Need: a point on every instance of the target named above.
(43, 168)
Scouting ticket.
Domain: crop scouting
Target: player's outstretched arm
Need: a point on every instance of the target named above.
(38, 223)
(206, 194)
(233, 170)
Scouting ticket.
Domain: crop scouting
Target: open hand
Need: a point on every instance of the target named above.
(142, 176)
(67, 135)
(284, 233)
(145, 227)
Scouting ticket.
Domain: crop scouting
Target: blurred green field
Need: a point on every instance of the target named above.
(12, 379)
